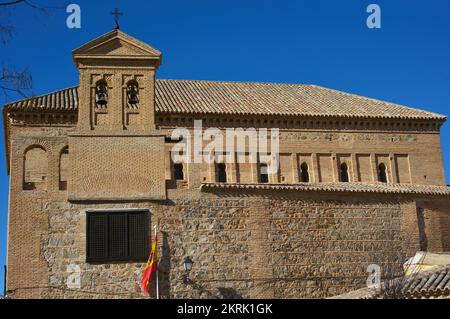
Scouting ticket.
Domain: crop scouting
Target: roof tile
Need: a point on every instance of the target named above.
(244, 98)
(339, 187)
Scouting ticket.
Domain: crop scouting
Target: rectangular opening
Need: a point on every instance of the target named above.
(263, 174)
(117, 236)
(221, 172)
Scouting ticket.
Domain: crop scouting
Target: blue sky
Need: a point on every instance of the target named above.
(324, 42)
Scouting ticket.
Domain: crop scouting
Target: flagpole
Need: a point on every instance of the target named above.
(157, 270)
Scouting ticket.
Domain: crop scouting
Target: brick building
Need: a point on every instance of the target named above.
(91, 173)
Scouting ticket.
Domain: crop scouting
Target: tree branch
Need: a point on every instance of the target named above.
(11, 3)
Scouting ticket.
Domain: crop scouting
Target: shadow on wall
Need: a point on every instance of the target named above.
(444, 222)
(422, 231)
(223, 293)
(164, 277)
(164, 268)
(229, 293)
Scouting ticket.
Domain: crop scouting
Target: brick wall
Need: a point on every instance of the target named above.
(408, 158)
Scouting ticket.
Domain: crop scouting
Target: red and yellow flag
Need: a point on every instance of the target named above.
(151, 266)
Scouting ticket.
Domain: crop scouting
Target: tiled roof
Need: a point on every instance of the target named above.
(433, 283)
(245, 98)
(62, 100)
(338, 187)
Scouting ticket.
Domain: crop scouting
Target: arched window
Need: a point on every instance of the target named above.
(382, 174)
(101, 94)
(263, 173)
(178, 173)
(35, 169)
(63, 168)
(344, 173)
(221, 173)
(304, 174)
(132, 93)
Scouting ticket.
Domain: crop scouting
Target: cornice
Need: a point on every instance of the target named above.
(379, 188)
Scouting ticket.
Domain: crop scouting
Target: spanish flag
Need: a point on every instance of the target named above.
(151, 266)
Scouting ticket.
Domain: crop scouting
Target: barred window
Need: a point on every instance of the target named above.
(117, 236)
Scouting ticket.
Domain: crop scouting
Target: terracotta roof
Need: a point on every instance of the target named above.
(428, 284)
(245, 98)
(338, 187)
(431, 283)
(62, 100)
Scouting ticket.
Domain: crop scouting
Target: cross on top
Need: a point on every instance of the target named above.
(116, 13)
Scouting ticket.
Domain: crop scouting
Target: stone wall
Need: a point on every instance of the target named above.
(276, 245)
(322, 249)
(214, 233)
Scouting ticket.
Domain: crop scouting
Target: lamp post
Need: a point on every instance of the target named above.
(187, 264)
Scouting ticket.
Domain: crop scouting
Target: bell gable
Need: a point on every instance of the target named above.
(117, 45)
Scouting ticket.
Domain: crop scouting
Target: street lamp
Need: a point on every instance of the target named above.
(187, 264)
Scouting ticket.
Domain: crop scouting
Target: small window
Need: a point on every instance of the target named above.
(263, 173)
(63, 169)
(344, 173)
(221, 173)
(117, 236)
(382, 175)
(178, 173)
(304, 174)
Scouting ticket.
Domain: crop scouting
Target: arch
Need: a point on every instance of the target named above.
(382, 173)
(101, 94)
(304, 174)
(35, 168)
(221, 173)
(63, 168)
(344, 178)
(263, 173)
(132, 93)
(178, 172)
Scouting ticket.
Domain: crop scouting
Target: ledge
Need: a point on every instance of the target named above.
(336, 187)
(80, 198)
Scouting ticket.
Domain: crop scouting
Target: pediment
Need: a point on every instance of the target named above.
(116, 43)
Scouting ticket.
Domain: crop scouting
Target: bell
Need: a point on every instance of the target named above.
(133, 95)
(101, 95)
